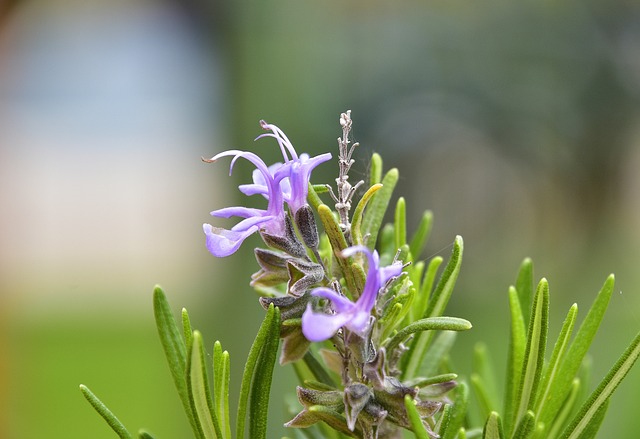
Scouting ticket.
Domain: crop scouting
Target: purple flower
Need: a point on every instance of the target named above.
(354, 316)
(297, 171)
(222, 242)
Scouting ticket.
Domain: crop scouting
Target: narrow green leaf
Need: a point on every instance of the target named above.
(221, 376)
(559, 422)
(437, 352)
(422, 299)
(106, 414)
(421, 235)
(261, 384)
(175, 349)
(356, 220)
(524, 286)
(377, 207)
(312, 195)
(339, 243)
(552, 369)
(199, 391)
(493, 427)
(428, 324)
(525, 426)
(515, 357)
(252, 359)
(578, 349)
(591, 429)
(375, 172)
(187, 330)
(481, 394)
(142, 434)
(603, 392)
(319, 372)
(445, 418)
(400, 221)
(484, 368)
(435, 307)
(534, 352)
(417, 426)
(458, 411)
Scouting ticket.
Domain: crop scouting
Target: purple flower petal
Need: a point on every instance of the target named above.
(320, 327)
(223, 242)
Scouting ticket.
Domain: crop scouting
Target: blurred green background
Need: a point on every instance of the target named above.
(516, 122)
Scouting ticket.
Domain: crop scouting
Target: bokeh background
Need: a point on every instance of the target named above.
(516, 122)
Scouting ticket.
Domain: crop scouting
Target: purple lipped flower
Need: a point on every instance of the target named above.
(223, 242)
(297, 171)
(354, 316)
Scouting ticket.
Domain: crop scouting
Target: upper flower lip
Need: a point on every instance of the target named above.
(354, 316)
(279, 183)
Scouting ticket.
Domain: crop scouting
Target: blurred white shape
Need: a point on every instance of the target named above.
(105, 111)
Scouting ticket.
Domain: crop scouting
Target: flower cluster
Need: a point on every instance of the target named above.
(336, 296)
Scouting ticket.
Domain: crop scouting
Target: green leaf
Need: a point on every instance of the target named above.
(515, 357)
(552, 369)
(377, 207)
(252, 360)
(435, 307)
(417, 426)
(375, 172)
(428, 324)
(493, 427)
(356, 221)
(578, 349)
(319, 372)
(524, 287)
(199, 392)
(525, 426)
(484, 369)
(221, 376)
(187, 330)
(421, 235)
(561, 418)
(445, 418)
(261, 384)
(458, 411)
(142, 434)
(175, 350)
(438, 350)
(400, 221)
(534, 352)
(422, 299)
(312, 195)
(600, 397)
(106, 414)
(355, 283)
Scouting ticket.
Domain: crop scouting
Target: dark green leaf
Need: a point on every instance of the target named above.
(428, 324)
(534, 352)
(262, 338)
(600, 397)
(199, 391)
(436, 306)
(458, 411)
(578, 349)
(377, 207)
(174, 348)
(261, 384)
(421, 235)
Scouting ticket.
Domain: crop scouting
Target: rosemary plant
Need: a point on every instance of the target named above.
(362, 319)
